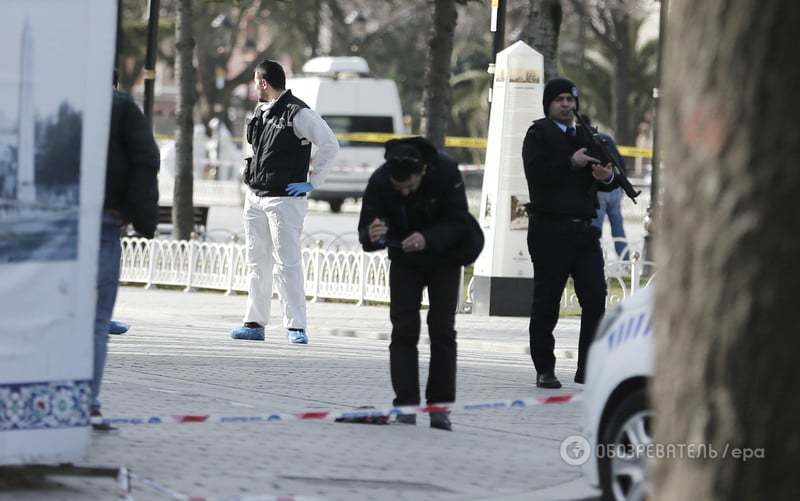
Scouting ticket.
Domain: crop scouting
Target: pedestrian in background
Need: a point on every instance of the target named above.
(278, 144)
(609, 203)
(562, 242)
(131, 196)
(415, 204)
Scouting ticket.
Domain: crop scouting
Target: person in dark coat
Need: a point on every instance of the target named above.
(562, 182)
(131, 196)
(415, 204)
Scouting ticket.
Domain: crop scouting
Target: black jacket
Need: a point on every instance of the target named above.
(555, 187)
(279, 156)
(438, 209)
(132, 166)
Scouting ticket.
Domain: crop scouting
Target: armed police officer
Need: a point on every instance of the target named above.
(277, 157)
(415, 204)
(562, 181)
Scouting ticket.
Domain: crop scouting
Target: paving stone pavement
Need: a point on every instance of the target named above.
(179, 359)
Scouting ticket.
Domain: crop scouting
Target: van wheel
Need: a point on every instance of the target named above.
(336, 205)
(623, 472)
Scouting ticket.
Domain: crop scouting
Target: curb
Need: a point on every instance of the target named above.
(501, 347)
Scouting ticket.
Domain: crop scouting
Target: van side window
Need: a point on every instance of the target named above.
(343, 124)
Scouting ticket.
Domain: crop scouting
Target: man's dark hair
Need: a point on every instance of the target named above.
(115, 78)
(273, 73)
(401, 169)
(404, 161)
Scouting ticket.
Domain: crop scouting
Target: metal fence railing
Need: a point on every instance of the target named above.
(330, 272)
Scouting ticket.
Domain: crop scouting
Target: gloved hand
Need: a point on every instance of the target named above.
(297, 189)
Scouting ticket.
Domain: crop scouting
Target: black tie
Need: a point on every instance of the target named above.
(571, 131)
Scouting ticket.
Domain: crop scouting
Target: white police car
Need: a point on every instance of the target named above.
(618, 418)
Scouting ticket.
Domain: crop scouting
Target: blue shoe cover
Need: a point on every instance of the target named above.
(248, 333)
(297, 336)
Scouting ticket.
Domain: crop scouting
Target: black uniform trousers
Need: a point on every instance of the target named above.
(561, 247)
(406, 283)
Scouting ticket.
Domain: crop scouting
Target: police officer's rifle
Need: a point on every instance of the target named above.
(599, 150)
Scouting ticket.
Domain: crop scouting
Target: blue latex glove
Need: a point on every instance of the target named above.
(297, 189)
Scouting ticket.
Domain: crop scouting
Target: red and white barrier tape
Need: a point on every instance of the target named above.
(330, 415)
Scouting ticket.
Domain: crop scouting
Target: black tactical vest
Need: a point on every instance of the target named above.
(279, 157)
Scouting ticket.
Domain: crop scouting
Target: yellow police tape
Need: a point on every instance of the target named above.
(466, 142)
(450, 142)
(633, 151)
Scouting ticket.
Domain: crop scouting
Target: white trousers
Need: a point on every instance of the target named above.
(273, 227)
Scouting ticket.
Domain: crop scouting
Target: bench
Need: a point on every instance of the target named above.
(200, 217)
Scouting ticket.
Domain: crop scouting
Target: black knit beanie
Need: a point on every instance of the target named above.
(558, 86)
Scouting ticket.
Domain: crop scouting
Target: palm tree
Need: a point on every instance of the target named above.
(618, 74)
(470, 106)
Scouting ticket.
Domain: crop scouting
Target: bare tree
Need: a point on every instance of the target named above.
(182, 205)
(436, 95)
(726, 298)
(615, 25)
(542, 31)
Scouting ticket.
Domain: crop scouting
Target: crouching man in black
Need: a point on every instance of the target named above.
(562, 181)
(415, 205)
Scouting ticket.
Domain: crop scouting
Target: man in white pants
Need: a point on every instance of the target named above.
(277, 156)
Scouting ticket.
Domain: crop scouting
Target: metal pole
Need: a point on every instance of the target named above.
(150, 60)
(119, 34)
(500, 30)
(499, 40)
(656, 160)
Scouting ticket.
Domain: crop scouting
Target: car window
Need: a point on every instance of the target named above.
(343, 124)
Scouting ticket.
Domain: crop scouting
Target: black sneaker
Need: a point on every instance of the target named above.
(441, 421)
(406, 419)
(96, 419)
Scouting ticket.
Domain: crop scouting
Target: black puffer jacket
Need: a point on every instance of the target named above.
(132, 167)
(438, 209)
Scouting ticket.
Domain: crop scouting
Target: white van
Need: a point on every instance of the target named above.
(342, 91)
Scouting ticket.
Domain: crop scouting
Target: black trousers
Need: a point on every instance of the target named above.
(561, 248)
(406, 283)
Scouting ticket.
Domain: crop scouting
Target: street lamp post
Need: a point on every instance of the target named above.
(150, 60)
(656, 160)
(498, 27)
(119, 35)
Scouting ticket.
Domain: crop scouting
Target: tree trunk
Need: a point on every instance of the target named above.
(726, 298)
(436, 94)
(182, 205)
(623, 59)
(542, 30)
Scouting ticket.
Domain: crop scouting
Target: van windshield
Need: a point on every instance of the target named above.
(344, 124)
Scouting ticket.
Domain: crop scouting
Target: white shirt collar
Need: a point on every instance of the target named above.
(564, 127)
(265, 107)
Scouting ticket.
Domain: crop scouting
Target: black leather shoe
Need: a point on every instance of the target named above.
(547, 380)
(407, 418)
(96, 420)
(441, 421)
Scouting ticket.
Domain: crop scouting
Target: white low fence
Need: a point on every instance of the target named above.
(351, 275)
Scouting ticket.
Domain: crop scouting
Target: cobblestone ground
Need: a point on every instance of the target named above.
(178, 359)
